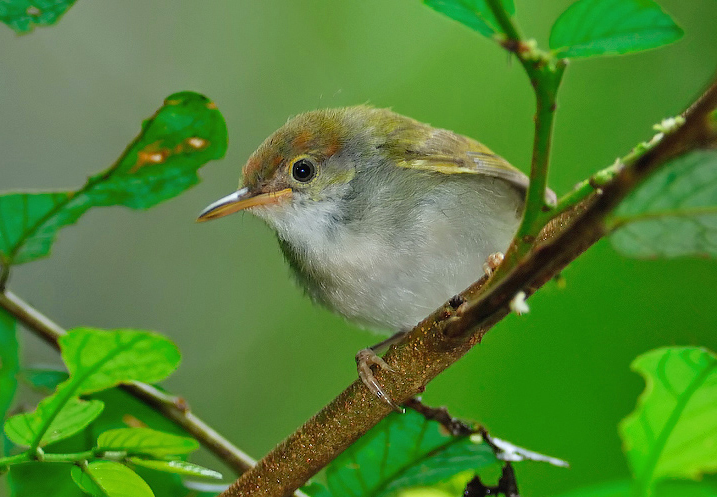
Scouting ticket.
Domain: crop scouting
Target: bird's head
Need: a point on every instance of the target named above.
(312, 158)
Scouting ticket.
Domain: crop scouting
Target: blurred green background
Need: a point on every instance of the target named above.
(259, 358)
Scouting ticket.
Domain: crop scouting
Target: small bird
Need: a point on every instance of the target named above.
(382, 218)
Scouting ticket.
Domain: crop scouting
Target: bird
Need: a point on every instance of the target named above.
(381, 218)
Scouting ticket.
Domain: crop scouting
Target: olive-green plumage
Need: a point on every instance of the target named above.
(381, 217)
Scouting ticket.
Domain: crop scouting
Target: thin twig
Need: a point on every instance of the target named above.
(173, 408)
(442, 338)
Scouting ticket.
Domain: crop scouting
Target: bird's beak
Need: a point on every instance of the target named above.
(239, 200)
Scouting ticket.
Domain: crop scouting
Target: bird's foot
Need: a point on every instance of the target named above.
(365, 358)
(492, 262)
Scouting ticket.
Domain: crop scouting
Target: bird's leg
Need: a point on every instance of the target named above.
(365, 358)
(492, 262)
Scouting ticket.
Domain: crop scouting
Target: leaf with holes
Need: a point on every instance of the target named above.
(146, 441)
(674, 213)
(110, 479)
(23, 15)
(402, 451)
(475, 14)
(183, 135)
(673, 430)
(611, 27)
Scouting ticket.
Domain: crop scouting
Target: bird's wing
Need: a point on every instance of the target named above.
(443, 151)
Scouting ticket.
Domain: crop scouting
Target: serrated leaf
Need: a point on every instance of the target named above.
(184, 134)
(611, 27)
(146, 441)
(57, 417)
(475, 14)
(23, 15)
(672, 214)
(110, 479)
(9, 361)
(403, 450)
(673, 430)
(176, 467)
(99, 359)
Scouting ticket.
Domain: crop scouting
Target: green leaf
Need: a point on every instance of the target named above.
(66, 416)
(146, 441)
(37, 479)
(176, 467)
(9, 362)
(476, 14)
(96, 360)
(99, 359)
(665, 488)
(672, 214)
(110, 479)
(611, 27)
(43, 380)
(23, 15)
(160, 163)
(673, 430)
(403, 450)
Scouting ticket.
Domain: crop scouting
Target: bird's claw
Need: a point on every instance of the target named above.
(365, 358)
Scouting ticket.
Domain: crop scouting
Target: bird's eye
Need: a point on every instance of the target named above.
(303, 170)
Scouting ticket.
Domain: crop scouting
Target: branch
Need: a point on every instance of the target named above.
(442, 338)
(171, 407)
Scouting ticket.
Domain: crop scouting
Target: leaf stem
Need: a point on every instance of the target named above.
(546, 82)
(506, 24)
(545, 73)
(30, 456)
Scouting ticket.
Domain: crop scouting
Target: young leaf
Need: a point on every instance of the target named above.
(146, 441)
(674, 213)
(176, 467)
(23, 15)
(403, 450)
(99, 359)
(9, 362)
(611, 27)
(57, 417)
(110, 479)
(476, 14)
(160, 163)
(673, 430)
